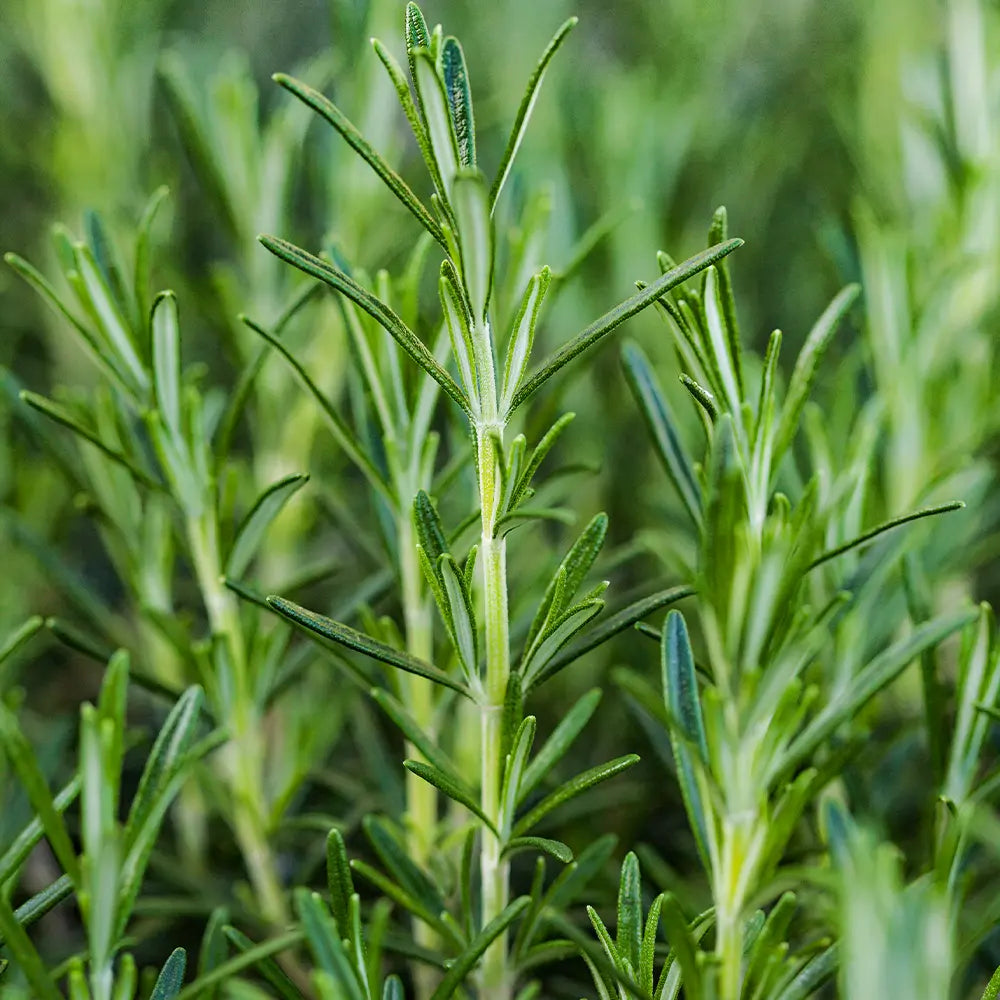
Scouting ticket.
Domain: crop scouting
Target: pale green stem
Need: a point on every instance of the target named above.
(247, 757)
(495, 980)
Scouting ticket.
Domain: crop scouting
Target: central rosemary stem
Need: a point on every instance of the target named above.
(493, 871)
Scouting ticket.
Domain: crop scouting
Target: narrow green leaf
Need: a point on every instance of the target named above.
(344, 435)
(25, 764)
(409, 727)
(556, 848)
(458, 330)
(611, 626)
(404, 869)
(459, 792)
(109, 318)
(268, 968)
(456, 85)
(166, 353)
(406, 100)
(103, 358)
(662, 428)
(23, 952)
(16, 639)
(247, 960)
(24, 843)
(566, 581)
(572, 788)
(433, 102)
(680, 693)
(522, 336)
(612, 319)
(555, 747)
(417, 35)
(61, 415)
(251, 531)
(171, 978)
(895, 522)
(386, 318)
(647, 957)
(33, 909)
(470, 202)
(344, 635)
(331, 113)
(463, 616)
(324, 937)
(526, 107)
(555, 635)
(465, 962)
(806, 366)
(881, 671)
(628, 936)
(338, 877)
(684, 945)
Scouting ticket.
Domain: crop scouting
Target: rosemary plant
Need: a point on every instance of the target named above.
(487, 670)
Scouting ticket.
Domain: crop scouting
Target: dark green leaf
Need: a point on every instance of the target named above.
(556, 848)
(628, 939)
(612, 319)
(552, 751)
(680, 693)
(457, 791)
(387, 319)
(171, 977)
(572, 788)
(465, 962)
(329, 111)
(456, 85)
(346, 636)
(662, 428)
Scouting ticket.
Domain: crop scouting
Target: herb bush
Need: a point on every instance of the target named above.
(327, 675)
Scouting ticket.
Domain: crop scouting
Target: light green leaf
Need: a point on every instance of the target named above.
(433, 103)
(470, 202)
(526, 107)
(628, 935)
(251, 531)
(522, 336)
(166, 353)
(806, 366)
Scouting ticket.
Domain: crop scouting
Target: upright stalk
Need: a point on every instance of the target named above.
(247, 761)
(493, 871)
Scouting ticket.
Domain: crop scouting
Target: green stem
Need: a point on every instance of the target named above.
(247, 758)
(495, 979)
